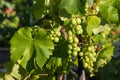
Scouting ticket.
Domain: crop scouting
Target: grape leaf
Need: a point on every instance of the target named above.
(43, 47)
(93, 22)
(39, 9)
(24, 50)
(104, 56)
(108, 11)
(30, 41)
(101, 29)
(72, 6)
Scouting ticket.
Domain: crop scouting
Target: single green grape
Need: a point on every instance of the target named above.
(81, 54)
(85, 65)
(74, 21)
(75, 53)
(70, 33)
(70, 46)
(69, 52)
(74, 44)
(75, 40)
(56, 39)
(78, 27)
(79, 32)
(78, 49)
(78, 20)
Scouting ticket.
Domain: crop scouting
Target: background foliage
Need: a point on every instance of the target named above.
(40, 51)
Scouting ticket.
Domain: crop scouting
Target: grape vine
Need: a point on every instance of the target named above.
(66, 31)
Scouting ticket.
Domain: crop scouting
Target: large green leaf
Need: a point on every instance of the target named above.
(22, 46)
(72, 6)
(43, 47)
(104, 56)
(108, 11)
(26, 41)
(93, 22)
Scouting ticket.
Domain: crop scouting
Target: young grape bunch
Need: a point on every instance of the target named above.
(89, 57)
(76, 25)
(55, 34)
(73, 47)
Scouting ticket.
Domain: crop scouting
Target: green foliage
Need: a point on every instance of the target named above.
(68, 29)
(39, 9)
(109, 12)
(73, 7)
(93, 22)
(32, 41)
(104, 55)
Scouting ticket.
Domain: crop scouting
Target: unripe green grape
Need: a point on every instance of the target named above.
(54, 35)
(70, 46)
(93, 50)
(70, 33)
(70, 60)
(79, 32)
(94, 54)
(89, 49)
(52, 32)
(74, 21)
(56, 39)
(87, 59)
(75, 53)
(70, 56)
(92, 64)
(58, 33)
(74, 44)
(91, 75)
(52, 38)
(91, 69)
(91, 56)
(87, 53)
(78, 49)
(85, 65)
(69, 52)
(94, 59)
(81, 54)
(76, 40)
(78, 20)
(74, 49)
(70, 39)
(78, 27)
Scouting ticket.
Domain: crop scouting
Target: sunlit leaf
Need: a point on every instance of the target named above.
(72, 7)
(30, 41)
(93, 22)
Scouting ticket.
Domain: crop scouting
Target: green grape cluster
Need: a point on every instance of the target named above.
(73, 47)
(55, 34)
(76, 25)
(89, 58)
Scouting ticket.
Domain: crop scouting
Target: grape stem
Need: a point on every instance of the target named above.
(64, 33)
(80, 63)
